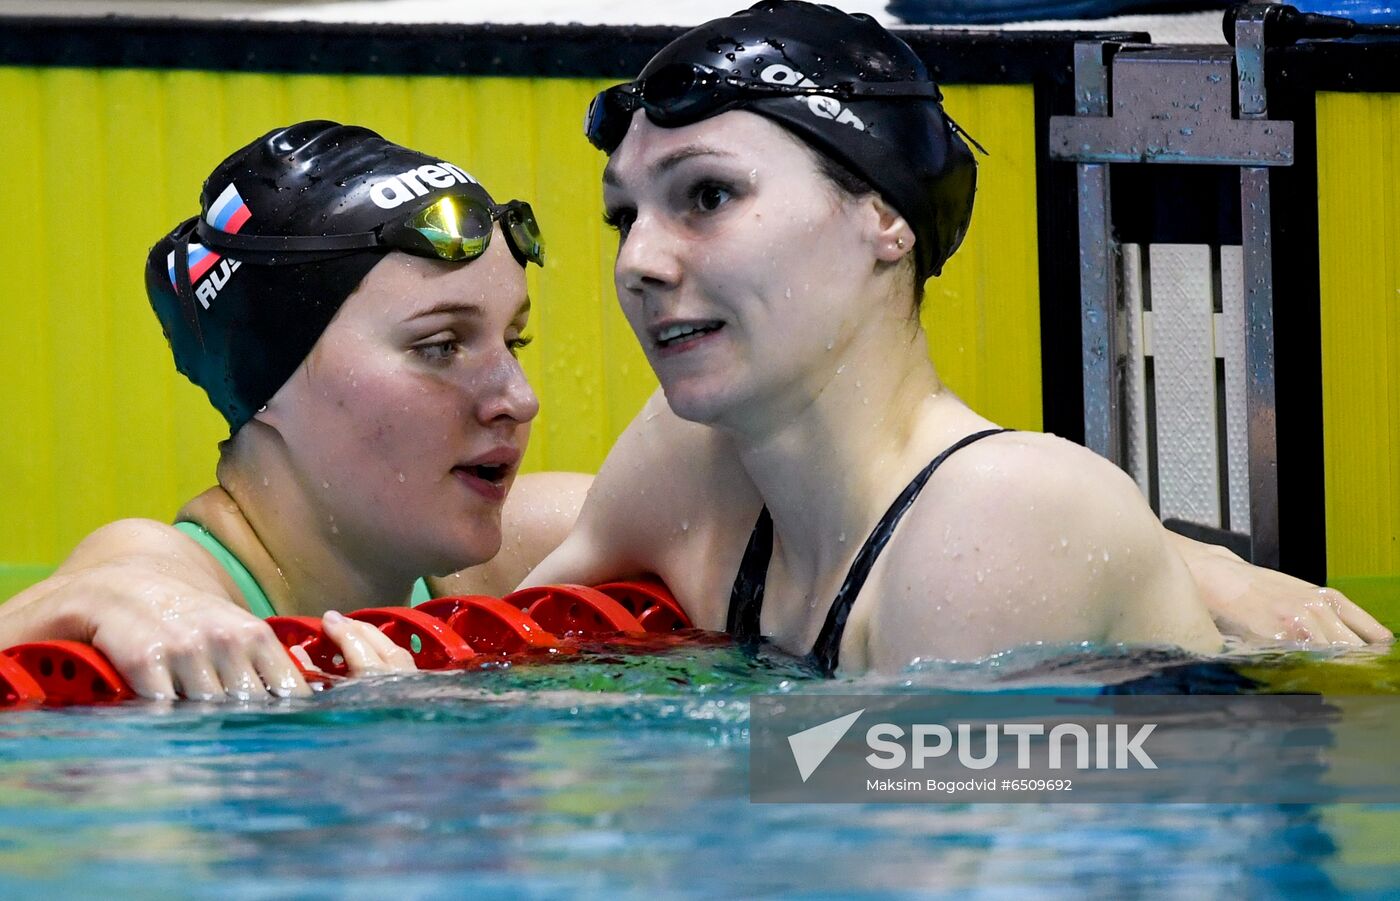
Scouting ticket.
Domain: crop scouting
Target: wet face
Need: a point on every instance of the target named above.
(406, 424)
(741, 268)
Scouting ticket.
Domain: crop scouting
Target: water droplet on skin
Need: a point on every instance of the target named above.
(841, 538)
(980, 576)
(685, 525)
(265, 482)
(788, 293)
(1064, 542)
(335, 529)
(840, 369)
(1105, 556)
(401, 478)
(830, 345)
(325, 484)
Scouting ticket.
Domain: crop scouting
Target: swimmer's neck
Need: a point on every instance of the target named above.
(283, 545)
(827, 465)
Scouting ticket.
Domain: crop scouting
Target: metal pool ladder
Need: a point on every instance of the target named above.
(1181, 106)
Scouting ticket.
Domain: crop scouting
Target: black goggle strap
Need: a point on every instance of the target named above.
(847, 90)
(705, 78)
(222, 240)
(184, 291)
(629, 96)
(962, 132)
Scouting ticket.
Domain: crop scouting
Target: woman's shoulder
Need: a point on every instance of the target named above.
(1014, 469)
(1031, 493)
(131, 538)
(1018, 537)
(146, 545)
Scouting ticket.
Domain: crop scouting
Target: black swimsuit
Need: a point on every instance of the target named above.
(746, 599)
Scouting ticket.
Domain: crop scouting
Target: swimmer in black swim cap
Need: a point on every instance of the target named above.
(289, 226)
(782, 180)
(353, 308)
(842, 83)
(774, 301)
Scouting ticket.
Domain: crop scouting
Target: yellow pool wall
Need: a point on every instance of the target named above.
(99, 163)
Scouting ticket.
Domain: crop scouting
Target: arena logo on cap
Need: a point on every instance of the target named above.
(825, 107)
(396, 190)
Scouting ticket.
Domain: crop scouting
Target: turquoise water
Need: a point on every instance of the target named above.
(622, 776)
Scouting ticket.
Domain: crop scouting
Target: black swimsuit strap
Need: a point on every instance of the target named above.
(746, 599)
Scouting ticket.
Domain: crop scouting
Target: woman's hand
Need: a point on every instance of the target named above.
(1262, 604)
(169, 637)
(367, 651)
(144, 595)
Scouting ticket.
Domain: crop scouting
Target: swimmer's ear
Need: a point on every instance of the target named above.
(890, 234)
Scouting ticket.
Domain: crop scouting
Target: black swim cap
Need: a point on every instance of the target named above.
(243, 325)
(907, 149)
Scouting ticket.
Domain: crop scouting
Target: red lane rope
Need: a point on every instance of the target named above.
(436, 647)
(574, 610)
(70, 672)
(17, 687)
(650, 602)
(634, 616)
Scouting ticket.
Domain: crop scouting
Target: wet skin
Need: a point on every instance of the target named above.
(363, 472)
(808, 374)
(395, 444)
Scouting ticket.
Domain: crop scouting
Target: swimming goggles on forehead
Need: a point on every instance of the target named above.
(685, 93)
(455, 227)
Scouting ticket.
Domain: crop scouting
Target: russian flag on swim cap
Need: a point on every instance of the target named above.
(201, 258)
(228, 212)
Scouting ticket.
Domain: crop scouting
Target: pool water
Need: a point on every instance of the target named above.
(623, 776)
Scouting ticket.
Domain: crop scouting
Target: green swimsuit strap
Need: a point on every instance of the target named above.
(253, 594)
(252, 591)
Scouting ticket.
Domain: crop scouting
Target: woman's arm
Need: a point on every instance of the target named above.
(670, 501)
(170, 619)
(610, 524)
